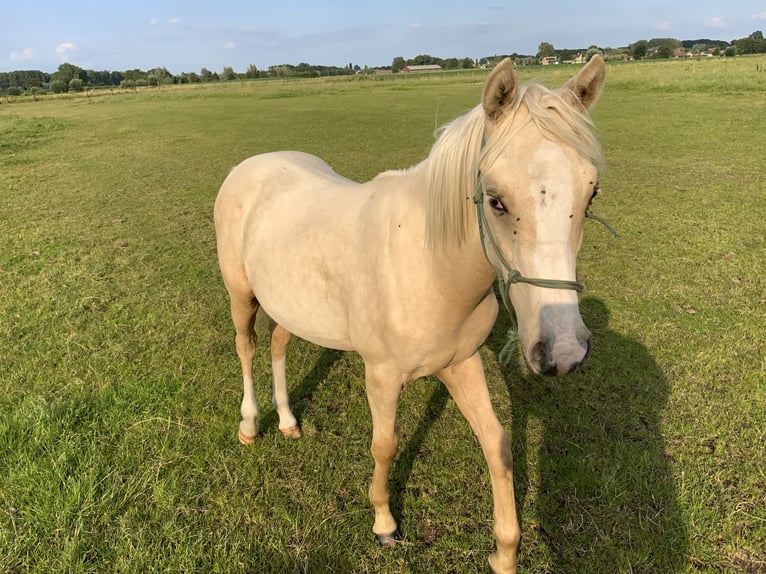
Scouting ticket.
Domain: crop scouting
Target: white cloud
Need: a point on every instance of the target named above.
(65, 47)
(663, 26)
(716, 22)
(229, 45)
(416, 25)
(760, 16)
(174, 21)
(153, 22)
(25, 54)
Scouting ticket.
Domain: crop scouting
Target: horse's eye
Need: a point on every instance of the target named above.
(496, 205)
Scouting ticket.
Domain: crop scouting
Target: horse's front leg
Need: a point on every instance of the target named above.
(383, 395)
(468, 386)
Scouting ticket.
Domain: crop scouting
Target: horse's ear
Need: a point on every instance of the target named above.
(500, 89)
(585, 88)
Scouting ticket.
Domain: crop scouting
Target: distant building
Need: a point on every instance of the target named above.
(424, 68)
(681, 53)
(548, 60)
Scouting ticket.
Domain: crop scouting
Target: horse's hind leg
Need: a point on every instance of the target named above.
(243, 311)
(280, 338)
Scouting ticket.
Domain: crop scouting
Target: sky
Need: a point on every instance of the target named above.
(187, 35)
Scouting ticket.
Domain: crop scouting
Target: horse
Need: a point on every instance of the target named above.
(401, 268)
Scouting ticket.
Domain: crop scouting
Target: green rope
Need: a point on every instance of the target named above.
(590, 215)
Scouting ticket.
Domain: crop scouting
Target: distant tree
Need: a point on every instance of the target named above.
(730, 52)
(76, 85)
(206, 75)
(31, 79)
(565, 55)
(67, 72)
(424, 60)
(663, 47)
(592, 51)
(252, 71)
(14, 91)
(673, 43)
(545, 50)
(639, 49)
(116, 78)
(59, 86)
(134, 75)
(753, 44)
(229, 74)
(466, 63)
(398, 64)
(450, 64)
(161, 75)
(35, 92)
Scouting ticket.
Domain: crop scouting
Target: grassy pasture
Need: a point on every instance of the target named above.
(120, 387)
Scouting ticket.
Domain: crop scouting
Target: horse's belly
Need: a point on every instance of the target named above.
(321, 324)
(300, 280)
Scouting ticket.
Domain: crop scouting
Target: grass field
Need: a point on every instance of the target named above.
(120, 387)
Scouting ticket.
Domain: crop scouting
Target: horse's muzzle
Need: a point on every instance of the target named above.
(541, 360)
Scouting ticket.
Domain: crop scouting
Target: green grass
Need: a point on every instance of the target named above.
(120, 387)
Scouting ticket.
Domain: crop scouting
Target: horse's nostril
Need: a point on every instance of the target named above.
(542, 361)
(551, 371)
(575, 366)
(539, 352)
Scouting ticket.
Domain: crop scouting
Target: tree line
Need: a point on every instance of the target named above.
(659, 48)
(71, 78)
(399, 63)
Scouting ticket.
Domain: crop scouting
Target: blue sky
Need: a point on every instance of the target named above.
(185, 36)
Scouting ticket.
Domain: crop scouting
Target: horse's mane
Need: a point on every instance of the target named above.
(454, 162)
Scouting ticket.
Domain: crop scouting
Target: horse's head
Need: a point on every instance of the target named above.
(539, 170)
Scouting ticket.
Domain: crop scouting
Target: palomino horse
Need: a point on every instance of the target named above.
(396, 268)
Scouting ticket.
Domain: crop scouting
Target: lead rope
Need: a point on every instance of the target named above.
(511, 345)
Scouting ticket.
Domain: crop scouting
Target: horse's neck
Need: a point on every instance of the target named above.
(459, 269)
(462, 270)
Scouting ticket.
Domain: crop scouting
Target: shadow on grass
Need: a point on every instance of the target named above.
(401, 469)
(601, 495)
(301, 396)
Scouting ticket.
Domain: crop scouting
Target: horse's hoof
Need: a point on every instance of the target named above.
(245, 439)
(389, 540)
(292, 432)
(501, 568)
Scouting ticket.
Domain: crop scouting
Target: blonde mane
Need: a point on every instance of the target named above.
(456, 158)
